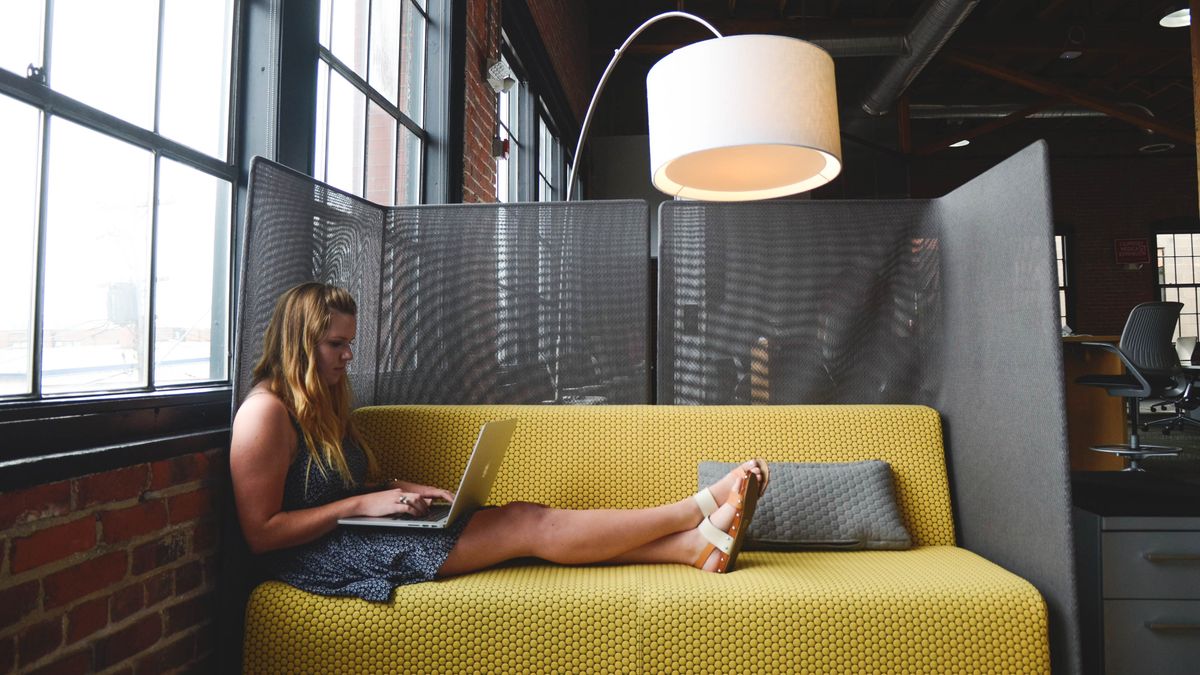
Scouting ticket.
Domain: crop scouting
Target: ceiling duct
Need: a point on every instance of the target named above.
(935, 111)
(935, 22)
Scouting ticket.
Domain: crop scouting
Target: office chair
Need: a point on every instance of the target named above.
(1187, 400)
(1152, 371)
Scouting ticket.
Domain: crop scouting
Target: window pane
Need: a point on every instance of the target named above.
(194, 101)
(412, 64)
(344, 155)
(381, 156)
(1183, 245)
(190, 286)
(18, 240)
(322, 120)
(408, 168)
(104, 52)
(384, 73)
(21, 35)
(97, 262)
(1168, 270)
(1166, 244)
(348, 33)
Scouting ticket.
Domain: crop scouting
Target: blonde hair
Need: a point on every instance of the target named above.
(288, 368)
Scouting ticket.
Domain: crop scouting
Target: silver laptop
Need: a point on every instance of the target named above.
(473, 489)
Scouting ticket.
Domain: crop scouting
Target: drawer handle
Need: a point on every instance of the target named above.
(1172, 557)
(1157, 626)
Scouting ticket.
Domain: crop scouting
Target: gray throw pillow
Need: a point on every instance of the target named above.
(841, 506)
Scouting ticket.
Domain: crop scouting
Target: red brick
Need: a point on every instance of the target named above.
(191, 505)
(17, 602)
(125, 524)
(153, 554)
(168, 658)
(190, 613)
(86, 618)
(53, 543)
(159, 587)
(39, 640)
(204, 537)
(180, 470)
(85, 578)
(125, 602)
(76, 664)
(188, 577)
(112, 486)
(43, 501)
(126, 642)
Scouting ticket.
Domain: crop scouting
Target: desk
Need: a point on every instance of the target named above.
(1137, 544)
(1093, 417)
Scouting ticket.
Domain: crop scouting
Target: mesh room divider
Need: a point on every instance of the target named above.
(486, 303)
(950, 303)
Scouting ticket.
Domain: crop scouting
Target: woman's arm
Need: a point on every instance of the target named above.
(261, 449)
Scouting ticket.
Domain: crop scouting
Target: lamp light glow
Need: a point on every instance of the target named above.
(960, 144)
(743, 117)
(1177, 18)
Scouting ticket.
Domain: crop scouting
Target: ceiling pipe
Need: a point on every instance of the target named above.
(936, 111)
(935, 22)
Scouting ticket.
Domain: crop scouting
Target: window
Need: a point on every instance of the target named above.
(1179, 276)
(116, 194)
(1060, 265)
(535, 166)
(508, 130)
(370, 98)
(551, 167)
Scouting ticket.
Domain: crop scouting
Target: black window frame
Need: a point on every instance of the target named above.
(272, 108)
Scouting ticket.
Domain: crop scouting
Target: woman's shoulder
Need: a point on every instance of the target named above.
(262, 408)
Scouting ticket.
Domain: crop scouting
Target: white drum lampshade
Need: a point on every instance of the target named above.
(743, 117)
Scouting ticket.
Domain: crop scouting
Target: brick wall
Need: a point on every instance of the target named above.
(1095, 202)
(112, 572)
(562, 26)
(479, 123)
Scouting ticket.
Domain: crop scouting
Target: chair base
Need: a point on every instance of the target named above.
(1136, 454)
(1179, 421)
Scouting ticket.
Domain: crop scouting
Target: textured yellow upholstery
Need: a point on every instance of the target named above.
(936, 608)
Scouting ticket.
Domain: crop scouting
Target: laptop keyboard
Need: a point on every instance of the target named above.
(436, 512)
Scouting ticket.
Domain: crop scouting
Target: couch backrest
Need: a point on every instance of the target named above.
(643, 455)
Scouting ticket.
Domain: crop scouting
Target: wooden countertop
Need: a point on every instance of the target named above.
(1091, 338)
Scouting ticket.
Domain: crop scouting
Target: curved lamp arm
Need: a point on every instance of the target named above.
(587, 118)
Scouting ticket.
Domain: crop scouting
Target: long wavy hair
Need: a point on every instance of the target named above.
(288, 368)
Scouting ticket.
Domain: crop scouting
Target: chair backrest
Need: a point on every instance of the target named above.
(1146, 339)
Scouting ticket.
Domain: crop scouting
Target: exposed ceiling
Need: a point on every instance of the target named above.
(1093, 77)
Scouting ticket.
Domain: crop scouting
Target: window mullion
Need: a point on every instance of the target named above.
(39, 284)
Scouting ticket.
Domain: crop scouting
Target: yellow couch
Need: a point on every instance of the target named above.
(934, 608)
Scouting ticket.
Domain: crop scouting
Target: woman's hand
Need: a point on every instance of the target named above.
(426, 492)
(393, 501)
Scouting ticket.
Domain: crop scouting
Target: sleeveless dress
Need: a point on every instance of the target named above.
(364, 562)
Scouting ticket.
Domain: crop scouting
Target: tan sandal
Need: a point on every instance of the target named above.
(729, 543)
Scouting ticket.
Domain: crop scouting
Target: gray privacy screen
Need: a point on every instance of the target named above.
(950, 303)
(495, 303)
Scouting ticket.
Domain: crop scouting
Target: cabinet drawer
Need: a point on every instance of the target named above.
(1151, 636)
(1151, 565)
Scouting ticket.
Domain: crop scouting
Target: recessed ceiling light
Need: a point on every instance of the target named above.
(1177, 18)
(960, 144)
(1070, 54)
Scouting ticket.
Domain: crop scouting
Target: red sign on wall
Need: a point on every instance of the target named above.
(1132, 251)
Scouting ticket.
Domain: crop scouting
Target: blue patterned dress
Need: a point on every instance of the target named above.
(364, 562)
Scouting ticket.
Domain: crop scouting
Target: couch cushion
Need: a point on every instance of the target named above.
(845, 506)
(932, 609)
(628, 456)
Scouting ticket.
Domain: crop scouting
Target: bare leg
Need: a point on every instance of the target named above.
(521, 529)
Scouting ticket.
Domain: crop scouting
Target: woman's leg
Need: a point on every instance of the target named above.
(569, 537)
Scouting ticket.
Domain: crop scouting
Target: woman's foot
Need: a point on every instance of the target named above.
(722, 487)
(715, 543)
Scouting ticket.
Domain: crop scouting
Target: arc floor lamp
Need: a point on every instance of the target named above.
(736, 118)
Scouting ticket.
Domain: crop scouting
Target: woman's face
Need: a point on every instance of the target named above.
(334, 350)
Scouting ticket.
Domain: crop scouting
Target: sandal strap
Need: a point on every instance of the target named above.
(723, 541)
(705, 501)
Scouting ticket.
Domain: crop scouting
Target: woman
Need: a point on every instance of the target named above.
(298, 464)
